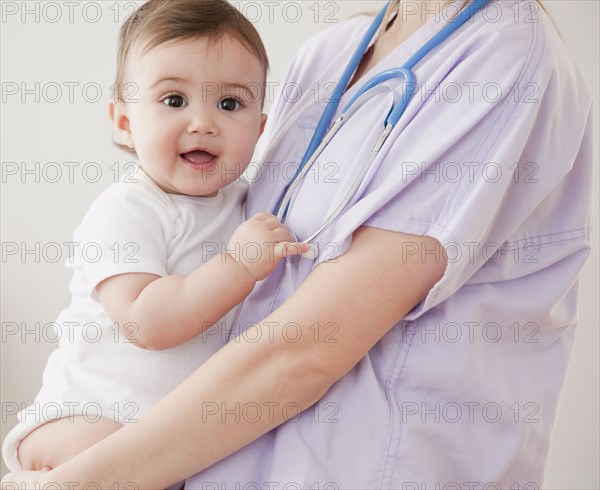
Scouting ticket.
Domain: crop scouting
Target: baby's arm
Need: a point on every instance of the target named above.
(160, 312)
(54, 443)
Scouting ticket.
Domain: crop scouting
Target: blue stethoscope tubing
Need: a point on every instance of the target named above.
(322, 135)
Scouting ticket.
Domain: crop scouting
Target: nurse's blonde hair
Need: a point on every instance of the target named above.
(394, 4)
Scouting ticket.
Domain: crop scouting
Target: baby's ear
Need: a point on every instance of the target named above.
(263, 121)
(117, 114)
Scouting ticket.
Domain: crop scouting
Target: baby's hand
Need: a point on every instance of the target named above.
(260, 242)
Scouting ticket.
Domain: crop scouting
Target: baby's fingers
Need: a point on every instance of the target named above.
(287, 249)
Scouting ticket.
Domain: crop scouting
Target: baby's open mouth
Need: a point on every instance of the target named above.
(198, 157)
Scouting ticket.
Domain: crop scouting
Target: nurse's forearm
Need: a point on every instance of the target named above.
(195, 425)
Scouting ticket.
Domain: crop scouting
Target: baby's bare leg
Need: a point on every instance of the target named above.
(55, 442)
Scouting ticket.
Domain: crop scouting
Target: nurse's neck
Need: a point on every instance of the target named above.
(410, 17)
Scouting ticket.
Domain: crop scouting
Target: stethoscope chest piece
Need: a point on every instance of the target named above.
(312, 253)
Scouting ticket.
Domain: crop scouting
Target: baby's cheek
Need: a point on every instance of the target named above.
(250, 141)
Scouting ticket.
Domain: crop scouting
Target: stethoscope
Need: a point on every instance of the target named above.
(322, 135)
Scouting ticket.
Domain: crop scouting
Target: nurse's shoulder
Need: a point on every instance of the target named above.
(327, 48)
(522, 34)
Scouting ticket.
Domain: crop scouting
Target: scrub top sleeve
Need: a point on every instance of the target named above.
(123, 232)
(469, 170)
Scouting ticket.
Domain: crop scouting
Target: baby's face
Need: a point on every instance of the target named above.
(196, 113)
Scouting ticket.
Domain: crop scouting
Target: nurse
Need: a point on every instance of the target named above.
(427, 343)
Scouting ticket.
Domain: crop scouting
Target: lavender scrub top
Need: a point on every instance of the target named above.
(493, 158)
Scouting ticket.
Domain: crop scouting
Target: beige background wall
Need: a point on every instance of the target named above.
(77, 51)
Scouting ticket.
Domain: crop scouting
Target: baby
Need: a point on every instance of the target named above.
(190, 78)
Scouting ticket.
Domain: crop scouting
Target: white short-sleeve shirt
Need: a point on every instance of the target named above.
(133, 226)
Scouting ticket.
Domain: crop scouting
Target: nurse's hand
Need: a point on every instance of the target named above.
(260, 242)
(23, 479)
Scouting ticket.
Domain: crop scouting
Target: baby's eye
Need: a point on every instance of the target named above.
(175, 101)
(229, 104)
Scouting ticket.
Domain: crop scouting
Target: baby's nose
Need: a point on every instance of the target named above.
(202, 122)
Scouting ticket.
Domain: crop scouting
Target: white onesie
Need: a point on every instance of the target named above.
(133, 226)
